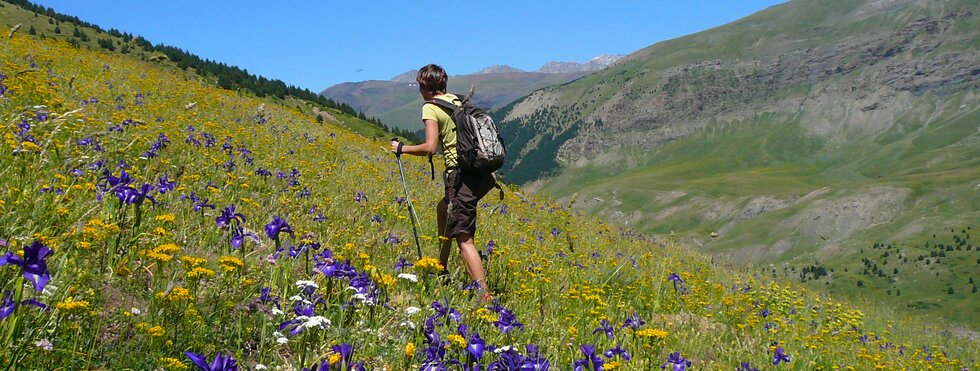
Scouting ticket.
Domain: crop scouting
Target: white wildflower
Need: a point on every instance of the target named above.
(412, 310)
(316, 321)
(302, 285)
(44, 344)
(280, 338)
(409, 276)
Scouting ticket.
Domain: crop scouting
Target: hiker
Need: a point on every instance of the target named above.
(463, 190)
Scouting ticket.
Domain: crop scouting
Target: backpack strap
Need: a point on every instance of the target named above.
(450, 108)
(443, 104)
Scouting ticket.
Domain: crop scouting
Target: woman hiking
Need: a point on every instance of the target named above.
(456, 212)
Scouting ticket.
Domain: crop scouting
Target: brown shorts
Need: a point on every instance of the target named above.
(463, 192)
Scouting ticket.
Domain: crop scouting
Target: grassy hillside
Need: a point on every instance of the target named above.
(800, 134)
(151, 219)
(45, 23)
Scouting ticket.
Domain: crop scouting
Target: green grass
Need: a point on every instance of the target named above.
(135, 286)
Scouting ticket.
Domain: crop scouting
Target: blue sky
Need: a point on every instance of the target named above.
(316, 44)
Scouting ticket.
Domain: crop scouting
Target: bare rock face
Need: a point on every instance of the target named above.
(594, 64)
(834, 220)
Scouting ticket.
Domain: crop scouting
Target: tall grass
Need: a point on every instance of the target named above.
(137, 283)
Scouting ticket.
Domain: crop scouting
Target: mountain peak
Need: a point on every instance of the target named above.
(594, 64)
(408, 76)
(498, 68)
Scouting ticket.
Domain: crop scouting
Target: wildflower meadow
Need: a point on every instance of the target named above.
(149, 220)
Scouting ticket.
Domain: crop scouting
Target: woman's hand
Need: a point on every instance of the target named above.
(394, 147)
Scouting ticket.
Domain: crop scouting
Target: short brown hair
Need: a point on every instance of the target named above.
(432, 79)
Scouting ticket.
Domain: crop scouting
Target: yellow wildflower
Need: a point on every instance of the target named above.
(410, 349)
(200, 272)
(230, 263)
(71, 305)
(192, 261)
(653, 333)
(155, 331)
(178, 294)
(457, 340)
(428, 263)
(167, 248)
(169, 363)
(165, 218)
(386, 281)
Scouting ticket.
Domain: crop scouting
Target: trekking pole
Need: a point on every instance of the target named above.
(408, 199)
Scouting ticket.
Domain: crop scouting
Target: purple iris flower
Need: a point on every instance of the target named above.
(507, 322)
(401, 264)
(443, 310)
(745, 366)
(276, 226)
(534, 360)
(110, 182)
(201, 204)
(295, 325)
(780, 356)
(676, 362)
(618, 351)
(33, 264)
(429, 330)
(346, 352)
(633, 322)
(592, 361)
(338, 269)
(130, 195)
(228, 215)
(359, 196)
(435, 355)
(605, 327)
(238, 235)
(7, 305)
(476, 346)
(161, 143)
(164, 184)
(676, 280)
(265, 296)
(221, 362)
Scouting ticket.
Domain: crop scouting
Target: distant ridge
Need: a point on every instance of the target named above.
(594, 64)
(498, 68)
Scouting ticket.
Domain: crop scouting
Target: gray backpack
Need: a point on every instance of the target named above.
(479, 146)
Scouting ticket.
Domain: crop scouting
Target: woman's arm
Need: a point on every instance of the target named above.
(430, 146)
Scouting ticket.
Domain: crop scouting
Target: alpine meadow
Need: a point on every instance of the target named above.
(158, 211)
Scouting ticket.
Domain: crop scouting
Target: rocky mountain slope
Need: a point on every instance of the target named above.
(801, 134)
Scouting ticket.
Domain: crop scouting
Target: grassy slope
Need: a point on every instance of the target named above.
(44, 26)
(932, 150)
(560, 274)
(769, 156)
